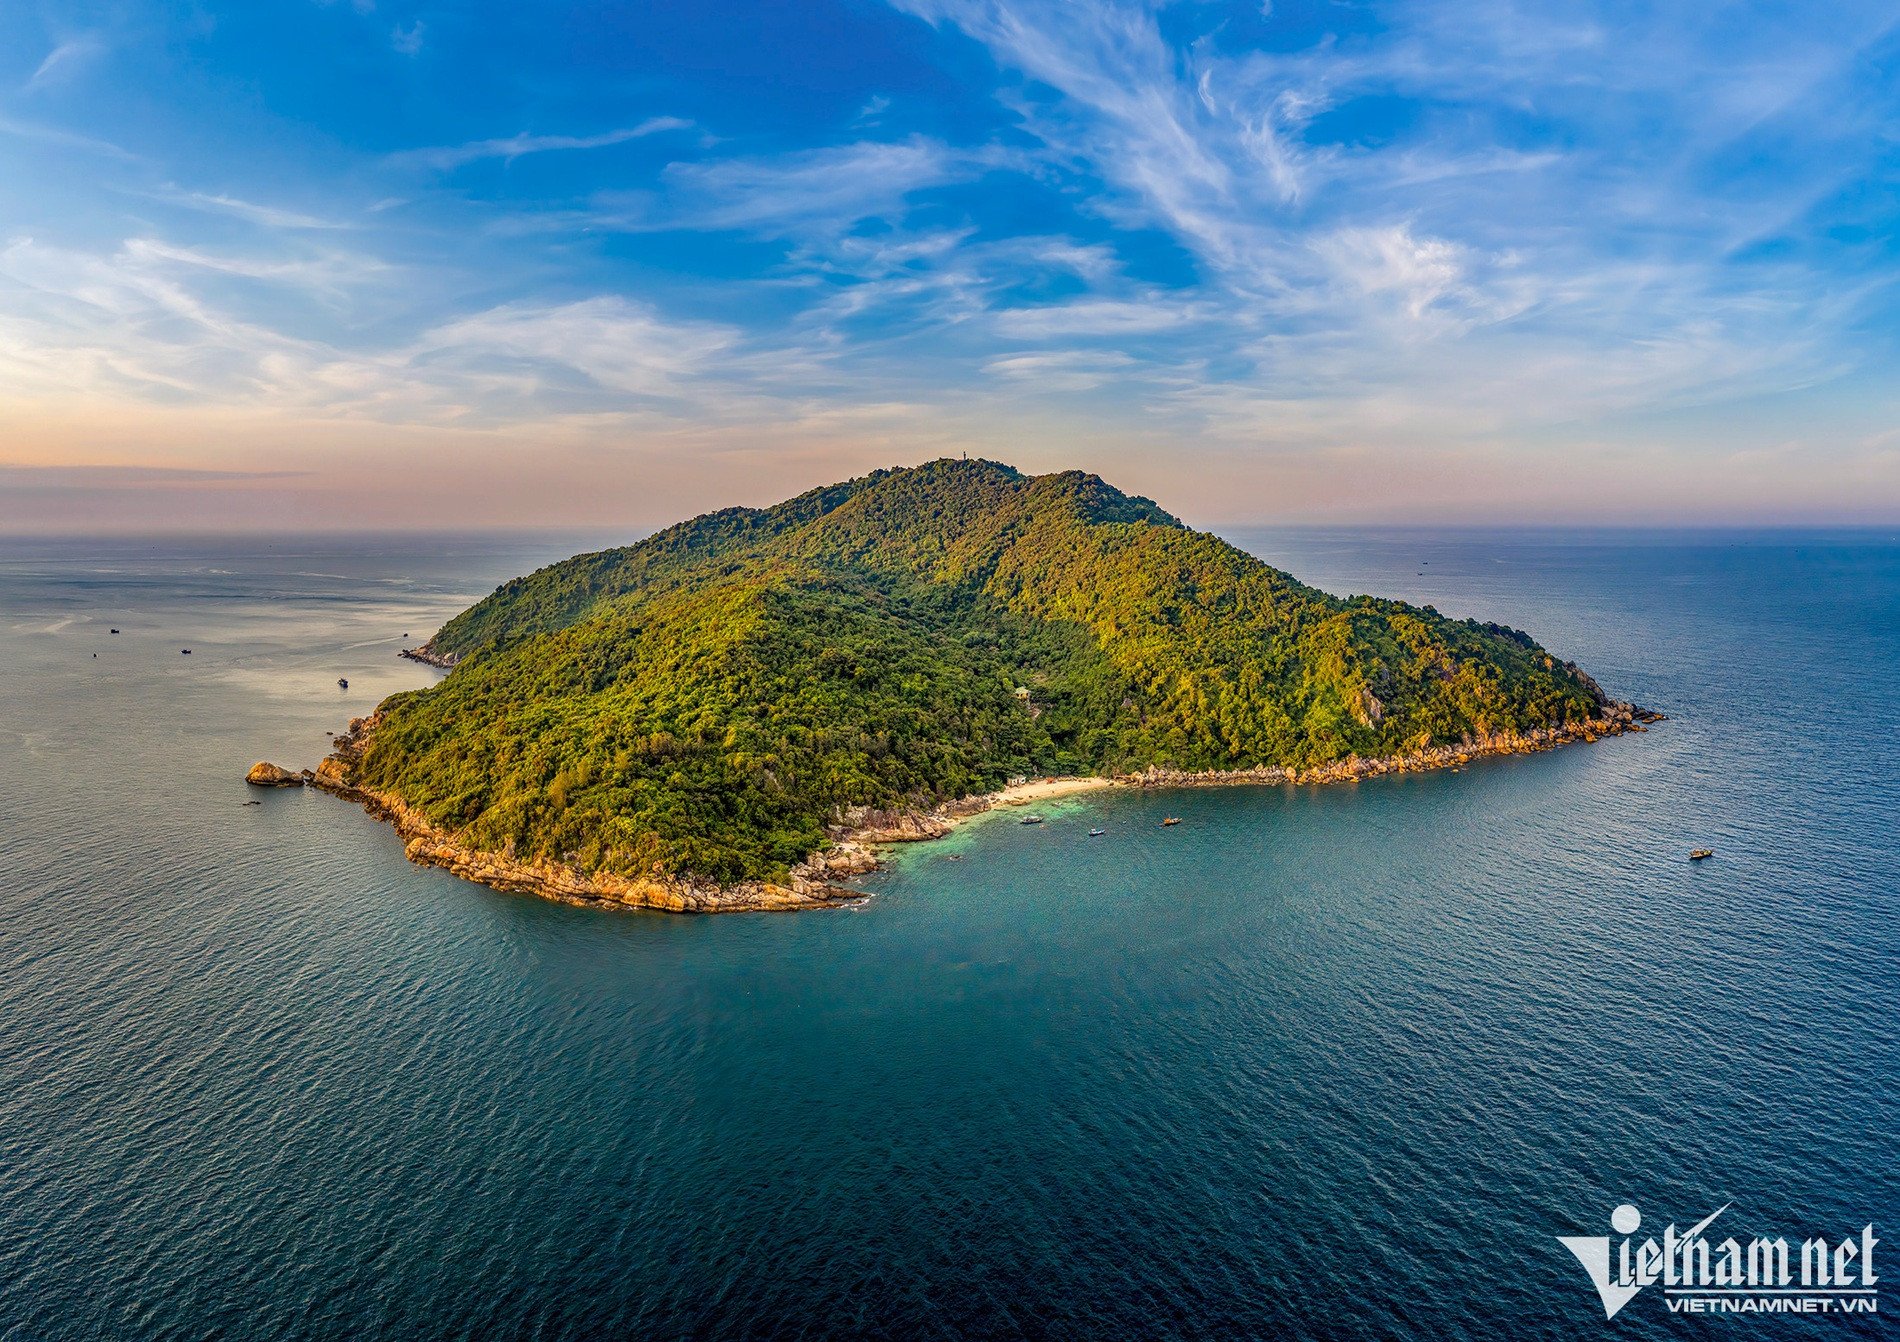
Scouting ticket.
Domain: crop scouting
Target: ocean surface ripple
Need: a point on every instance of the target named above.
(1333, 1062)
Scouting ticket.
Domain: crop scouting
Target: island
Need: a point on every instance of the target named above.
(733, 713)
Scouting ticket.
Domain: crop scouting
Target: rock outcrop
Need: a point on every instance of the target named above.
(429, 657)
(266, 774)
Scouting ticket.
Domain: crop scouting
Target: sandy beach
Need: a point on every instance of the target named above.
(1047, 789)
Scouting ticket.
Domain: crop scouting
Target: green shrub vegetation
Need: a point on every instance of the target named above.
(705, 702)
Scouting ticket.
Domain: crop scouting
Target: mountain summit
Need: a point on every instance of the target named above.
(705, 708)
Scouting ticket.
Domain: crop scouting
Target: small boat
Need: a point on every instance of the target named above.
(184, 652)
(342, 684)
(115, 631)
(1696, 855)
(955, 857)
(1097, 833)
(1171, 820)
(1031, 820)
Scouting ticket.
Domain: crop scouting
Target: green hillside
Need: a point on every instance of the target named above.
(703, 703)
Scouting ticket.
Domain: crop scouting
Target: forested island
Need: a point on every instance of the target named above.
(724, 715)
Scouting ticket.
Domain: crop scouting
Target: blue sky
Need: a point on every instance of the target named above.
(370, 261)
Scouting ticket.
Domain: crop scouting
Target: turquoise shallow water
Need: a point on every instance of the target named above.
(1330, 1062)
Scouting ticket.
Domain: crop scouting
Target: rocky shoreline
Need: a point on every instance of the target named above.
(1617, 718)
(429, 657)
(428, 845)
(867, 829)
(860, 832)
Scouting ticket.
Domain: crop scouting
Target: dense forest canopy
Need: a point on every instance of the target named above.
(703, 703)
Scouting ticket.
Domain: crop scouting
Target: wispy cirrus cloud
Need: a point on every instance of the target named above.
(610, 343)
(1347, 233)
(1061, 370)
(823, 191)
(61, 138)
(814, 188)
(1410, 270)
(1096, 317)
(152, 319)
(265, 216)
(65, 61)
(450, 157)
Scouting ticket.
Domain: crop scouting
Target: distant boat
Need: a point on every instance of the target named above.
(184, 652)
(1698, 854)
(1171, 820)
(342, 684)
(1097, 833)
(1031, 820)
(115, 631)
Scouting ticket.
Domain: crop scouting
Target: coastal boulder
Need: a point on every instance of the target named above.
(265, 774)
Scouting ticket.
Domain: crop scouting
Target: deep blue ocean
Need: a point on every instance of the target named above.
(1336, 1063)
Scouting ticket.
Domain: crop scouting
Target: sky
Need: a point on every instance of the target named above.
(284, 264)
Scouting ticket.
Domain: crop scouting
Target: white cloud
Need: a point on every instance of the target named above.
(1417, 272)
(1094, 318)
(448, 158)
(329, 271)
(267, 216)
(1560, 229)
(64, 139)
(156, 321)
(617, 344)
(1490, 221)
(1130, 110)
(1061, 370)
(64, 62)
(814, 189)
